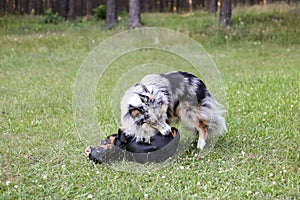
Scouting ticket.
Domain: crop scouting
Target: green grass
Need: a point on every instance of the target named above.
(41, 156)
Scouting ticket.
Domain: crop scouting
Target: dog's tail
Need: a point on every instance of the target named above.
(213, 112)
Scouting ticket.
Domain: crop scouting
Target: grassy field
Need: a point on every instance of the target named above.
(42, 157)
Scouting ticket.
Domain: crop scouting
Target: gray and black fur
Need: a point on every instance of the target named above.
(160, 99)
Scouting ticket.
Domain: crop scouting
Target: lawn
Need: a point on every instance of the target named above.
(42, 155)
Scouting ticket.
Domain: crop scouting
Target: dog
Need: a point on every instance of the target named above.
(161, 99)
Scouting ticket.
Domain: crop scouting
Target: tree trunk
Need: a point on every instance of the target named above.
(147, 6)
(186, 5)
(49, 4)
(39, 7)
(134, 19)
(213, 7)
(225, 13)
(2, 7)
(111, 13)
(89, 9)
(22, 7)
(171, 5)
(31, 6)
(178, 6)
(204, 3)
(196, 4)
(62, 7)
(79, 11)
(161, 5)
(150, 5)
(72, 16)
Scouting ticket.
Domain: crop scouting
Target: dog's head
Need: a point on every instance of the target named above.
(148, 108)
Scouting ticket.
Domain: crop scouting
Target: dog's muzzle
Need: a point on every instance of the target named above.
(164, 129)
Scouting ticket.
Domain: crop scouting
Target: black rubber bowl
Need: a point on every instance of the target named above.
(126, 148)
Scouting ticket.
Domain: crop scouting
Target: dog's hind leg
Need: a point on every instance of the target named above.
(192, 118)
(202, 131)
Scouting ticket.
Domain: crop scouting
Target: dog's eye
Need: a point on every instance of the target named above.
(135, 112)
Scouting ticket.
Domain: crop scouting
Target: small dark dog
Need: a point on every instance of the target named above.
(160, 99)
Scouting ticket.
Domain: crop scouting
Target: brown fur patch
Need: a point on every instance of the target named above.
(146, 126)
(174, 133)
(203, 123)
(135, 113)
(151, 97)
(107, 146)
(202, 126)
(112, 139)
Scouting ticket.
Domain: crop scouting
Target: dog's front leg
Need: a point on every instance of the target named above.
(202, 134)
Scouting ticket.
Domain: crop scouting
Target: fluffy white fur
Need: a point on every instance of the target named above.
(160, 99)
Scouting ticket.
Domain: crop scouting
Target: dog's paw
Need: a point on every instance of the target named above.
(88, 150)
(147, 140)
(201, 143)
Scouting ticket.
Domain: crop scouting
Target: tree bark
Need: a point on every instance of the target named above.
(71, 6)
(21, 7)
(39, 7)
(63, 8)
(134, 19)
(161, 5)
(148, 5)
(31, 6)
(204, 3)
(196, 4)
(2, 7)
(111, 13)
(213, 7)
(186, 5)
(49, 4)
(225, 13)
(171, 5)
(89, 9)
(178, 6)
